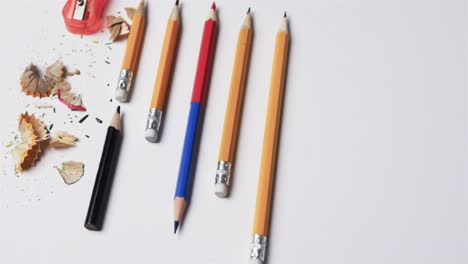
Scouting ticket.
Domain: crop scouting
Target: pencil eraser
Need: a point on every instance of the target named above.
(121, 95)
(221, 190)
(151, 135)
(255, 261)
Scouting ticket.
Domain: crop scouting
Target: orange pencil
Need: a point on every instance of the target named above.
(161, 85)
(132, 53)
(270, 146)
(234, 108)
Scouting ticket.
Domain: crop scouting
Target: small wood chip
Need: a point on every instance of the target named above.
(63, 139)
(71, 171)
(74, 72)
(130, 12)
(118, 28)
(44, 106)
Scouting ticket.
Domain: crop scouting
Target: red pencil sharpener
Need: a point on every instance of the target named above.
(84, 17)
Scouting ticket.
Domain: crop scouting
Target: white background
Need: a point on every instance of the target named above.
(372, 165)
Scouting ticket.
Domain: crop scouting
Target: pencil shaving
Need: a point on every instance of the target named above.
(63, 139)
(33, 137)
(72, 100)
(118, 28)
(38, 126)
(64, 86)
(26, 149)
(56, 71)
(71, 171)
(33, 83)
(114, 31)
(112, 21)
(74, 72)
(125, 30)
(130, 11)
(44, 106)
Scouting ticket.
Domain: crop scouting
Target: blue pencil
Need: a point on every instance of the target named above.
(195, 119)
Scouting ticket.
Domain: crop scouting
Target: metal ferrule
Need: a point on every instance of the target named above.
(223, 172)
(258, 248)
(125, 80)
(154, 121)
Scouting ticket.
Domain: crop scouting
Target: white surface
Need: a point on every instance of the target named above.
(373, 158)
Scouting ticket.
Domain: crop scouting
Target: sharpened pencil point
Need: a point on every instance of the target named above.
(176, 225)
(213, 6)
(248, 11)
(118, 109)
(285, 15)
(177, 2)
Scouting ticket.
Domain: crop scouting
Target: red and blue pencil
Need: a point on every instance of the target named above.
(195, 119)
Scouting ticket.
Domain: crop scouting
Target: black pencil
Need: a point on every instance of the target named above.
(102, 186)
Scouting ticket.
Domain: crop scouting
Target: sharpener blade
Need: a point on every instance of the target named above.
(80, 9)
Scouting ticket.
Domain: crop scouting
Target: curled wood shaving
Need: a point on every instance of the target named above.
(63, 139)
(35, 84)
(115, 32)
(26, 149)
(38, 126)
(64, 86)
(71, 171)
(56, 71)
(118, 28)
(125, 30)
(33, 137)
(71, 100)
(115, 21)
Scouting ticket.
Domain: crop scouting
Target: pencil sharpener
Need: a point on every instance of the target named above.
(84, 17)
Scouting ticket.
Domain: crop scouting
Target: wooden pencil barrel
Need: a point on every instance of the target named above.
(270, 141)
(236, 96)
(134, 43)
(166, 65)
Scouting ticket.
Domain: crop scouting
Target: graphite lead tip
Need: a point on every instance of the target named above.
(176, 226)
(285, 15)
(213, 6)
(118, 109)
(248, 11)
(177, 2)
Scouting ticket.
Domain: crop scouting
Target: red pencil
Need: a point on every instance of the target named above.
(205, 57)
(193, 131)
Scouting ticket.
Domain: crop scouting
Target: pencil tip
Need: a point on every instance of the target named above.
(248, 11)
(176, 225)
(285, 15)
(177, 2)
(118, 109)
(213, 6)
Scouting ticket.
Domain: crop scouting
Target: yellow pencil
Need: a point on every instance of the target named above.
(161, 85)
(132, 53)
(234, 108)
(270, 145)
